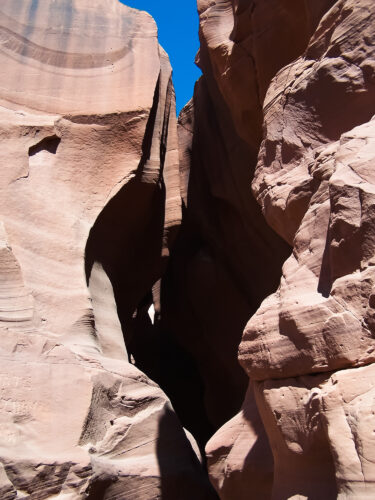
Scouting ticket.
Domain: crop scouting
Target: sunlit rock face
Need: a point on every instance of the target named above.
(226, 268)
(89, 205)
(293, 82)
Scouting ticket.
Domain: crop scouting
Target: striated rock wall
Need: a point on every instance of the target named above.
(214, 275)
(89, 205)
(306, 425)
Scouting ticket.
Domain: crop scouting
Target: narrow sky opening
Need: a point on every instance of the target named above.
(178, 34)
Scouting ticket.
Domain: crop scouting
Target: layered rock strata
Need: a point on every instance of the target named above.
(89, 203)
(306, 425)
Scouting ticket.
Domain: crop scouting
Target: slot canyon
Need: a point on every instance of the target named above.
(187, 304)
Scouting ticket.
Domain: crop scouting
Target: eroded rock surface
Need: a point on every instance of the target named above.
(304, 69)
(89, 204)
(243, 248)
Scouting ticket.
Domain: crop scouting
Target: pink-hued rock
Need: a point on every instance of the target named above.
(247, 42)
(309, 349)
(239, 456)
(321, 431)
(320, 319)
(315, 184)
(324, 93)
(89, 204)
(86, 427)
(132, 256)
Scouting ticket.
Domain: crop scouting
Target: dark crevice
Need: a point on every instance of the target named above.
(325, 282)
(164, 135)
(209, 290)
(50, 144)
(127, 243)
(126, 240)
(99, 485)
(149, 132)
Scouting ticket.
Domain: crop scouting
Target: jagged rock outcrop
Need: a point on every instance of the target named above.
(89, 205)
(309, 348)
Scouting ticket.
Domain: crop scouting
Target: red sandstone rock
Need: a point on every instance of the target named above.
(89, 203)
(315, 184)
(247, 42)
(324, 181)
(320, 428)
(239, 456)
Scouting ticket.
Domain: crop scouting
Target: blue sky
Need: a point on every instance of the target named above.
(178, 34)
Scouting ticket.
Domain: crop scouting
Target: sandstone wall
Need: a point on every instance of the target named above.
(170, 290)
(301, 75)
(89, 204)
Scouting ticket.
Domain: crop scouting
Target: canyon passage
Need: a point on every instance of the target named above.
(187, 305)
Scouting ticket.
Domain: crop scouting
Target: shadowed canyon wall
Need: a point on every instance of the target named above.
(187, 307)
(298, 81)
